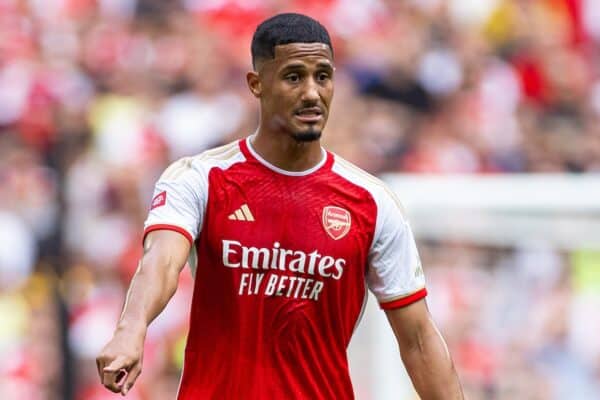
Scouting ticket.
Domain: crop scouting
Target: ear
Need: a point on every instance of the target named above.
(254, 83)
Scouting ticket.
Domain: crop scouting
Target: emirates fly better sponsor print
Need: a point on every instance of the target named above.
(311, 269)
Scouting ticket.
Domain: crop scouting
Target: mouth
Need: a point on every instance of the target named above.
(309, 114)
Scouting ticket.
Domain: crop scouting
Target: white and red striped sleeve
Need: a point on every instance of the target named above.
(395, 275)
(179, 200)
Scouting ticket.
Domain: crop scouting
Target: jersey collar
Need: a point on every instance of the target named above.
(246, 146)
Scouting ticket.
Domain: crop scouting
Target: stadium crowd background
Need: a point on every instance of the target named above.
(98, 96)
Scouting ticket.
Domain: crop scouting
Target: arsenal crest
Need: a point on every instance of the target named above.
(336, 222)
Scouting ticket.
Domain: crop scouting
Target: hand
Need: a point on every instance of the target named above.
(120, 362)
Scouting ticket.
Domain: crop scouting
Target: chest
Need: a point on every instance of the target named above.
(289, 215)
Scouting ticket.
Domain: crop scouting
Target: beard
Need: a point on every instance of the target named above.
(307, 136)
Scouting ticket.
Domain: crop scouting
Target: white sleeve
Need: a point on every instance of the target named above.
(395, 274)
(179, 200)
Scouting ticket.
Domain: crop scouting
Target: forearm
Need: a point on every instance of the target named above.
(151, 288)
(430, 366)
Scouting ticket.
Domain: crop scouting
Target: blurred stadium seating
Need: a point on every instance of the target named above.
(98, 96)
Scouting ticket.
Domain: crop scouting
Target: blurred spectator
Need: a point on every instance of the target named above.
(99, 96)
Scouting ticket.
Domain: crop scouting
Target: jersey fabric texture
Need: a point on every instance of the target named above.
(282, 261)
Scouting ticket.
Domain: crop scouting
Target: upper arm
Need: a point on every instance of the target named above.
(179, 201)
(424, 352)
(395, 275)
(167, 249)
(411, 324)
(177, 211)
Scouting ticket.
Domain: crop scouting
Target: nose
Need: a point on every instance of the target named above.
(311, 91)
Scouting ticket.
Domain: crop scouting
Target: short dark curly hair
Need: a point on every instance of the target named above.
(284, 29)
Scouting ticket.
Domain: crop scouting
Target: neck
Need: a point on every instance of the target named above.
(285, 152)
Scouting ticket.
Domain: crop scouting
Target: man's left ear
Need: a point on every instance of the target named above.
(254, 83)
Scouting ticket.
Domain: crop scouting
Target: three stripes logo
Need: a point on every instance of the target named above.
(242, 214)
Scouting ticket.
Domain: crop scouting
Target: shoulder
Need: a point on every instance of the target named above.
(199, 165)
(381, 193)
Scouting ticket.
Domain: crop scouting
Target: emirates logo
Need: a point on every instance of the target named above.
(159, 200)
(336, 222)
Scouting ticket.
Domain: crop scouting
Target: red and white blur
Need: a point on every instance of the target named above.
(484, 117)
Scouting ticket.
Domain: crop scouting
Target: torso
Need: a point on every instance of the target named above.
(281, 262)
(277, 296)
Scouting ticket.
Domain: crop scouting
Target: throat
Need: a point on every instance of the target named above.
(288, 153)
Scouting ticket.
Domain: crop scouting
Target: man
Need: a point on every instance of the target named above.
(284, 238)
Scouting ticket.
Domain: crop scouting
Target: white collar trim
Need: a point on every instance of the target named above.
(283, 171)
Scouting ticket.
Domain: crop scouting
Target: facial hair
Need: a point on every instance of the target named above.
(307, 136)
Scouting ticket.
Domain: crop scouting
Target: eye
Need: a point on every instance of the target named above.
(293, 77)
(323, 76)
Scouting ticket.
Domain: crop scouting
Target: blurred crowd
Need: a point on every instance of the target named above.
(97, 97)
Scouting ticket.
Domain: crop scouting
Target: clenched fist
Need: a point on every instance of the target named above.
(120, 362)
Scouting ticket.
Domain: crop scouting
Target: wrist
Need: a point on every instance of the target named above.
(135, 329)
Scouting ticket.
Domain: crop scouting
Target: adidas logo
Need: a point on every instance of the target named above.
(242, 214)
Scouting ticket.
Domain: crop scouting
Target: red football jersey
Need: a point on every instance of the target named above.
(282, 261)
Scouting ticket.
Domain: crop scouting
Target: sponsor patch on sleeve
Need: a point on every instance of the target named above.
(159, 200)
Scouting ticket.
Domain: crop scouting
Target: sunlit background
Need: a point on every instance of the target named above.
(483, 115)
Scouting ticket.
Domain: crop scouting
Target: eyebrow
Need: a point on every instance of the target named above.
(299, 65)
(323, 64)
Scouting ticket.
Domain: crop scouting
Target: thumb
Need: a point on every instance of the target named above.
(118, 363)
(110, 372)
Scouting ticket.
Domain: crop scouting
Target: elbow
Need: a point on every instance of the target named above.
(426, 342)
(416, 338)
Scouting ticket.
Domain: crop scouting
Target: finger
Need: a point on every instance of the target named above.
(111, 380)
(118, 363)
(121, 376)
(100, 367)
(113, 372)
(112, 387)
(131, 378)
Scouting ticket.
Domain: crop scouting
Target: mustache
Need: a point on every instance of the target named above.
(316, 109)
